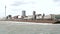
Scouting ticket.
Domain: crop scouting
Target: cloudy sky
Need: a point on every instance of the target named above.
(15, 7)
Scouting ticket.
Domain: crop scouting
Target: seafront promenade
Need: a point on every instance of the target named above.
(33, 21)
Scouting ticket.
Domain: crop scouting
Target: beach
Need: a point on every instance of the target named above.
(13, 27)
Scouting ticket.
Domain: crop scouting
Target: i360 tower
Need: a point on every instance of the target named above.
(5, 10)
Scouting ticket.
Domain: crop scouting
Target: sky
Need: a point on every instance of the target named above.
(15, 7)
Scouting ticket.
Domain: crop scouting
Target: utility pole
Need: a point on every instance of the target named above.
(5, 10)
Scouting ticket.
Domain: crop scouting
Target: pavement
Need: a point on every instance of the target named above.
(12, 27)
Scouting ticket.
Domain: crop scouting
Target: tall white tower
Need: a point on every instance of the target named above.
(5, 10)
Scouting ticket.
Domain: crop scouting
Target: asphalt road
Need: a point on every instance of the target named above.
(10, 27)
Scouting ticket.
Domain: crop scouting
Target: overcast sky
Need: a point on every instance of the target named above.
(15, 7)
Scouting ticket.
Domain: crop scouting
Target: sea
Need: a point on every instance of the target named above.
(12, 27)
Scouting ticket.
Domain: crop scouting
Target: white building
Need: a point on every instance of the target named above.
(38, 16)
(47, 17)
(29, 17)
(51, 16)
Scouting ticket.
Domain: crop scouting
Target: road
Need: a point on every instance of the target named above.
(10, 27)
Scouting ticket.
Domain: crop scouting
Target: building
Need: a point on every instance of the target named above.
(38, 16)
(34, 15)
(57, 17)
(29, 17)
(16, 17)
(23, 13)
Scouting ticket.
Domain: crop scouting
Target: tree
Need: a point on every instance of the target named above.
(9, 15)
